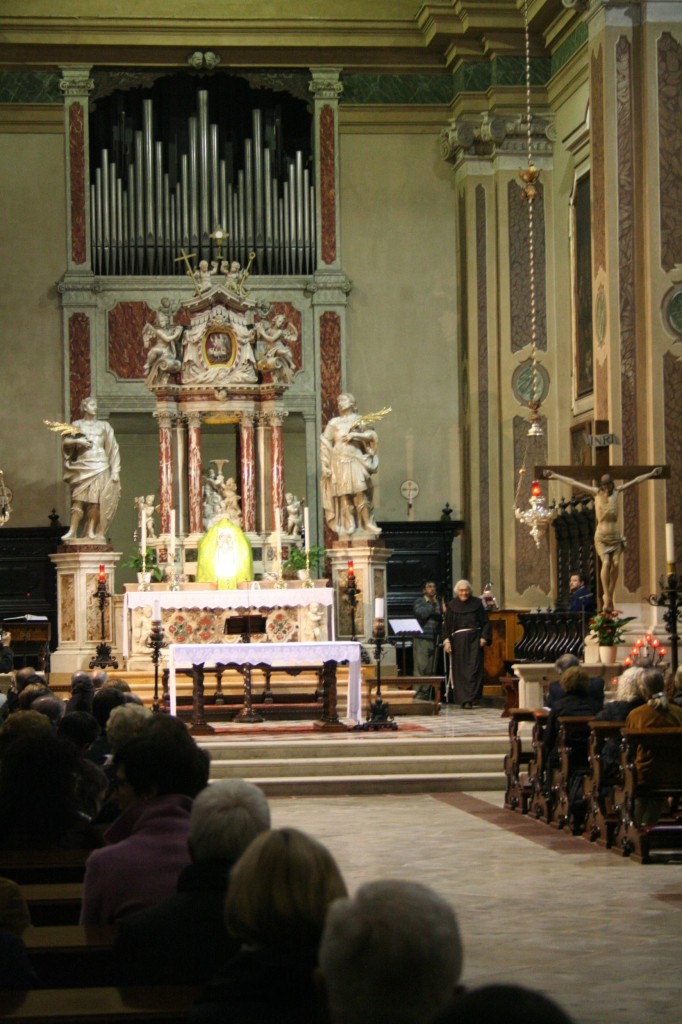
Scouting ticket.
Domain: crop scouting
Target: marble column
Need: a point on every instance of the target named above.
(165, 468)
(277, 466)
(194, 471)
(248, 472)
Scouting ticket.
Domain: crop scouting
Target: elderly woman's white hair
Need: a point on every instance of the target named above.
(628, 684)
(124, 723)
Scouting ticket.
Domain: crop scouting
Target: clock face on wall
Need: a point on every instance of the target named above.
(409, 489)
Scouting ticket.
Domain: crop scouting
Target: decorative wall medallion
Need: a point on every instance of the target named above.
(219, 346)
(522, 382)
(672, 311)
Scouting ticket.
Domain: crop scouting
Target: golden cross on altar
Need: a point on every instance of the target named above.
(185, 258)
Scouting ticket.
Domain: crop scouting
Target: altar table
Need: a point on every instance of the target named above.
(276, 655)
(253, 598)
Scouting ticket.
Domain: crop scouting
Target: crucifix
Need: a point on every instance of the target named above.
(608, 536)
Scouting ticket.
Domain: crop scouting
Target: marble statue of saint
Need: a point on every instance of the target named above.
(608, 536)
(161, 338)
(276, 357)
(92, 467)
(230, 502)
(348, 456)
(294, 514)
(145, 507)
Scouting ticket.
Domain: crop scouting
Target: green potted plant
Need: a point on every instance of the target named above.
(150, 565)
(608, 629)
(296, 562)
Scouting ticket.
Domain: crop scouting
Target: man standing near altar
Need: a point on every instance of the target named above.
(92, 467)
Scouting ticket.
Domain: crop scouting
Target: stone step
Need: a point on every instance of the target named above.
(312, 767)
(356, 785)
(343, 745)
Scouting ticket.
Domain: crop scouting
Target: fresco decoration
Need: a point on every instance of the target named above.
(519, 268)
(627, 296)
(670, 149)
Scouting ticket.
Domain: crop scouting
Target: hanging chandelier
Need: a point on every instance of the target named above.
(5, 500)
(539, 515)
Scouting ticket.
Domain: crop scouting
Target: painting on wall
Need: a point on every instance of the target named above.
(582, 288)
(582, 453)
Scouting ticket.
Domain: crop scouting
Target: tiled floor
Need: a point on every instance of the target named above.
(598, 933)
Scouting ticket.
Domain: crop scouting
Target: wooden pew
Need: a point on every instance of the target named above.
(71, 956)
(53, 902)
(601, 817)
(37, 866)
(567, 783)
(516, 763)
(539, 805)
(167, 1003)
(666, 835)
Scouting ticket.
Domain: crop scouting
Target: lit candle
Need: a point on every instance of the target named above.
(662, 652)
(627, 662)
(306, 528)
(669, 544)
(378, 607)
(156, 615)
(351, 570)
(171, 539)
(102, 575)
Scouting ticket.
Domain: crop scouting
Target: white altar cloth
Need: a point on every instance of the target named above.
(251, 597)
(314, 654)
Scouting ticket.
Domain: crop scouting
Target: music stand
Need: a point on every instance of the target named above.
(404, 629)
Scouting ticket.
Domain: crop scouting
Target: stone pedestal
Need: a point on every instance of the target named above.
(369, 564)
(78, 615)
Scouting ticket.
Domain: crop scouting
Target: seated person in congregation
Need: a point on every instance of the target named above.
(556, 691)
(656, 713)
(184, 939)
(575, 703)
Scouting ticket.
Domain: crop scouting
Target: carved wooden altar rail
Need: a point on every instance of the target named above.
(549, 634)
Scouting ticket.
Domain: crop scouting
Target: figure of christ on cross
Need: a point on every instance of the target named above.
(608, 536)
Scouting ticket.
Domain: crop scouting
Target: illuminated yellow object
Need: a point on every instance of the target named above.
(224, 556)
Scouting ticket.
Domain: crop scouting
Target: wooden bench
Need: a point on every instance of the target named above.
(539, 805)
(37, 866)
(567, 782)
(666, 835)
(102, 1005)
(53, 902)
(516, 762)
(71, 956)
(601, 817)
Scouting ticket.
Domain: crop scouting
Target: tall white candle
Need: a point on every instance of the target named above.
(156, 613)
(669, 544)
(143, 532)
(171, 541)
(306, 527)
(378, 607)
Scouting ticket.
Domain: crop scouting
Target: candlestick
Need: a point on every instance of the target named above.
(171, 539)
(306, 528)
(670, 544)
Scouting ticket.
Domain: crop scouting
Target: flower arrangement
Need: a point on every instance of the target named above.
(150, 563)
(607, 627)
(297, 560)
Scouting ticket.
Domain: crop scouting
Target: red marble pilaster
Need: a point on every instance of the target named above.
(79, 361)
(330, 363)
(248, 475)
(165, 469)
(77, 182)
(277, 468)
(194, 471)
(328, 183)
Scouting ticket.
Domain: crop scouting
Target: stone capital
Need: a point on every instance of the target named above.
(76, 80)
(326, 83)
(490, 135)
